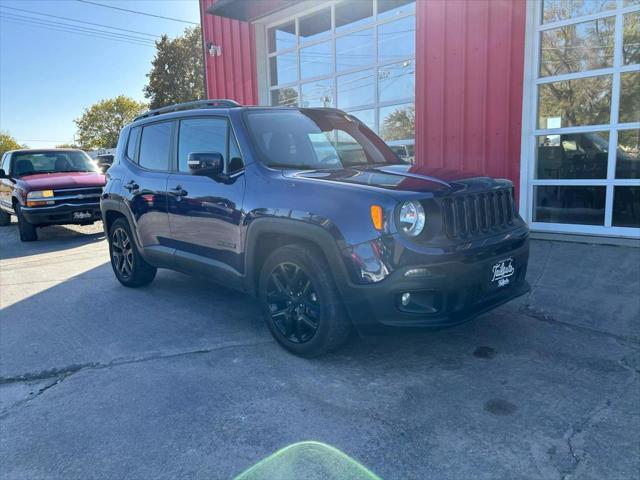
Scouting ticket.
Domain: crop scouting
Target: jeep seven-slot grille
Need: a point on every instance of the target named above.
(468, 215)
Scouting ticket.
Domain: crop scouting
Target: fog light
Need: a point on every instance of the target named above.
(405, 299)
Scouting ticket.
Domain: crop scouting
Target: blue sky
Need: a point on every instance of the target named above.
(48, 77)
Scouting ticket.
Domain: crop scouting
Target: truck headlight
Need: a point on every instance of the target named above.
(40, 197)
(412, 218)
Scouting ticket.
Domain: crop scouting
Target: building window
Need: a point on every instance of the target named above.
(584, 151)
(356, 56)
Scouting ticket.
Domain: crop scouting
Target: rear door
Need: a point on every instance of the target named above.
(145, 182)
(205, 213)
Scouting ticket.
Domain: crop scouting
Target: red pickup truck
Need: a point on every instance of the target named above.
(49, 187)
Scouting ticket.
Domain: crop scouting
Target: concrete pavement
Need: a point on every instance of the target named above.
(182, 380)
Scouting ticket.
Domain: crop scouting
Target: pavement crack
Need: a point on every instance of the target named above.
(545, 267)
(77, 367)
(539, 314)
(61, 374)
(4, 413)
(577, 432)
(47, 374)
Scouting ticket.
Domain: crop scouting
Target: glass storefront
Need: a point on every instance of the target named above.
(356, 56)
(584, 176)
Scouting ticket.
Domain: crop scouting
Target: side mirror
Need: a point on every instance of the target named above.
(3, 174)
(206, 164)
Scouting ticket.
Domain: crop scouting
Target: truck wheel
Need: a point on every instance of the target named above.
(5, 219)
(302, 306)
(28, 232)
(130, 268)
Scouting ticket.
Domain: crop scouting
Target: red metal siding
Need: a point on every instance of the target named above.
(233, 74)
(469, 73)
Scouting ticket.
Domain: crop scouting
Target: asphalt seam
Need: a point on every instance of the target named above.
(538, 314)
(61, 374)
(75, 368)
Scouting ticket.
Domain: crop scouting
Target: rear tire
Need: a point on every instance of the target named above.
(5, 219)
(301, 303)
(130, 268)
(28, 232)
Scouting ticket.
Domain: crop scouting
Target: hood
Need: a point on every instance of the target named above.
(56, 181)
(402, 178)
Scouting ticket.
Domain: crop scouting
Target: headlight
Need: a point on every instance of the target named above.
(40, 197)
(412, 218)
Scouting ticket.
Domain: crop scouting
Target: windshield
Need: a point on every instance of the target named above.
(28, 163)
(316, 139)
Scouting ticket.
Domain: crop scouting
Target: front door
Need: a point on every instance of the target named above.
(6, 185)
(205, 213)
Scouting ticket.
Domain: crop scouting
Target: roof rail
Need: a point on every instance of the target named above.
(215, 103)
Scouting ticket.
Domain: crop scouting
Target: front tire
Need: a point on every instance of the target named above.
(28, 232)
(130, 268)
(5, 218)
(301, 303)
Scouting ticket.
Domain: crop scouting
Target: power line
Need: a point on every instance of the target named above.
(37, 21)
(79, 21)
(135, 11)
(61, 29)
(78, 30)
(33, 140)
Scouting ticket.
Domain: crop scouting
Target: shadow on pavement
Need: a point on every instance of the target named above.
(50, 239)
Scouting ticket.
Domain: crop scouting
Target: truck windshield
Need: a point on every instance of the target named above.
(29, 163)
(316, 139)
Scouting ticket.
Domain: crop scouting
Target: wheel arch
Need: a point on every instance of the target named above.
(265, 235)
(112, 210)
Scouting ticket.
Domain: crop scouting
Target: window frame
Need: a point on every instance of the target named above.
(530, 130)
(333, 35)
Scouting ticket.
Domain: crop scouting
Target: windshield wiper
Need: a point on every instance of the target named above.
(293, 167)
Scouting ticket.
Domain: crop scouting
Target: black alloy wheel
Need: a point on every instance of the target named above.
(130, 268)
(293, 302)
(122, 253)
(301, 303)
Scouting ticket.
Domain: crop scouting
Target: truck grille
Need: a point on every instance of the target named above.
(469, 215)
(77, 195)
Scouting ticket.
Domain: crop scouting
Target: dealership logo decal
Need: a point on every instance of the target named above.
(502, 271)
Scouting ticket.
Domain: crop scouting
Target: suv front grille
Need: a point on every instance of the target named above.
(77, 195)
(469, 215)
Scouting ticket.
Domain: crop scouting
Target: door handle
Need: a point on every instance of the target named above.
(132, 185)
(178, 191)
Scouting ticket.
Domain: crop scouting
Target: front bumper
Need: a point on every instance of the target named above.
(453, 291)
(63, 214)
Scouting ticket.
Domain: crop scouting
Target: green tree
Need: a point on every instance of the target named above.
(7, 142)
(100, 124)
(399, 124)
(177, 70)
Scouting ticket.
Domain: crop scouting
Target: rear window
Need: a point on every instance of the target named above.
(29, 163)
(155, 145)
(134, 133)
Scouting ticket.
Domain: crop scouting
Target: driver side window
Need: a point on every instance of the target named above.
(201, 135)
